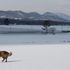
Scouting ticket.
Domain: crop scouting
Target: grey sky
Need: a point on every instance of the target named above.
(36, 5)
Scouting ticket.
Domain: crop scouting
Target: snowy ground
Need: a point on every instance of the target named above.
(30, 38)
(32, 34)
(28, 28)
(37, 57)
(36, 51)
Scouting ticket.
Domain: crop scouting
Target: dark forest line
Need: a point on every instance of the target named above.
(8, 21)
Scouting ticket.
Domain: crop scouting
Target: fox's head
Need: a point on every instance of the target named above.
(10, 54)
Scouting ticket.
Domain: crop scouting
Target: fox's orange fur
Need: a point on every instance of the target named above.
(5, 55)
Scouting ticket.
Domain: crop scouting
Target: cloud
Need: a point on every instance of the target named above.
(36, 5)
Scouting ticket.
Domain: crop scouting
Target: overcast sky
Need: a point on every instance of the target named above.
(40, 6)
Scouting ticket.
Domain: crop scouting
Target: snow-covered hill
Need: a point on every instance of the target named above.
(34, 15)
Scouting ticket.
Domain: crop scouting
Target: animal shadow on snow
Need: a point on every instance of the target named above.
(14, 61)
(11, 61)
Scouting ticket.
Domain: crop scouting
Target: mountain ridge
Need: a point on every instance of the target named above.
(34, 15)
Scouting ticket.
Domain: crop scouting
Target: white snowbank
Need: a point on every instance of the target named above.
(31, 28)
(19, 28)
(30, 38)
(37, 57)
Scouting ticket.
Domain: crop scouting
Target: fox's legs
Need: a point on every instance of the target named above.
(4, 59)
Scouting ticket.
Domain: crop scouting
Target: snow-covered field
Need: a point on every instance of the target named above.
(28, 28)
(37, 57)
(36, 51)
(19, 28)
(30, 38)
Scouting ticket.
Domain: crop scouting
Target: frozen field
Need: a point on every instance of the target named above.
(24, 34)
(30, 38)
(28, 28)
(37, 57)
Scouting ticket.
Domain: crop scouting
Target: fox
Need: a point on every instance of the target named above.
(5, 55)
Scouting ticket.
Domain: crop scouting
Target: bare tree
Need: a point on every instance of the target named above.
(6, 21)
(46, 25)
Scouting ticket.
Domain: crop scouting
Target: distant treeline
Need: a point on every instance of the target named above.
(7, 21)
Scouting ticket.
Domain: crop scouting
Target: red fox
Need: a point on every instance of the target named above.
(5, 55)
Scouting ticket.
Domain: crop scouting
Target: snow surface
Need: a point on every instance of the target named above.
(30, 38)
(28, 28)
(20, 28)
(37, 57)
(32, 34)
